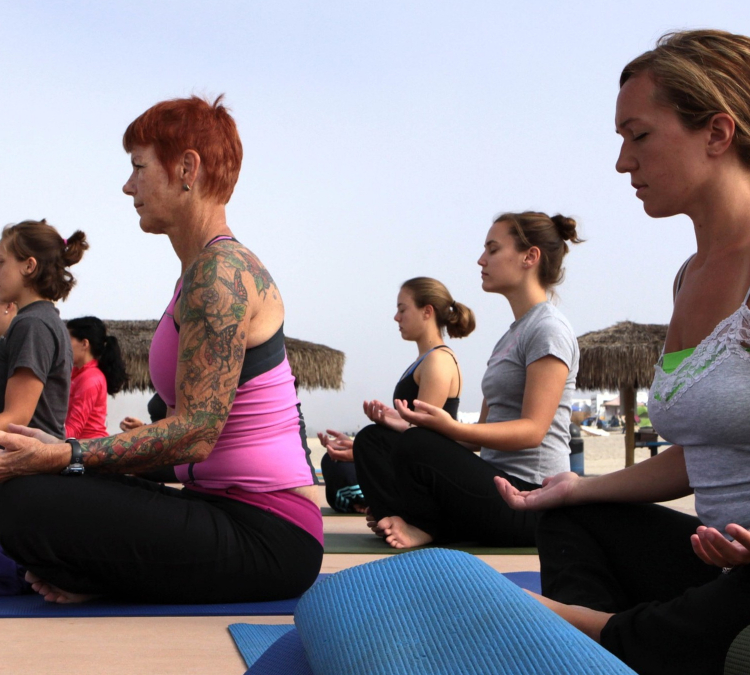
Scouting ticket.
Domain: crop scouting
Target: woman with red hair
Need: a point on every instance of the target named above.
(246, 525)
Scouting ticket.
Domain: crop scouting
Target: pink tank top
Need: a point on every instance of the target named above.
(262, 447)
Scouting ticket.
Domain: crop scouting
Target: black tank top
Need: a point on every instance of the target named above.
(407, 389)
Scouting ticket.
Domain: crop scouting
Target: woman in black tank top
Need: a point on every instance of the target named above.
(425, 311)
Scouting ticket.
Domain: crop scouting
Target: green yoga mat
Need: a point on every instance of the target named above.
(365, 542)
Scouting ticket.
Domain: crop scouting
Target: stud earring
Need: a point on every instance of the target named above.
(186, 187)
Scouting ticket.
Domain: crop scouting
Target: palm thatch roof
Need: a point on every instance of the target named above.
(620, 356)
(314, 366)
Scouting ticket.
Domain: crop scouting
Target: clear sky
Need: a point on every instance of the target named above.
(380, 136)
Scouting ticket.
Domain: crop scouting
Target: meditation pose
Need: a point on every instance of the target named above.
(246, 526)
(664, 591)
(440, 491)
(425, 311)
(98, 370)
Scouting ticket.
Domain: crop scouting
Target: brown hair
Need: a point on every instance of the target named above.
(698, 74)
(455, 318)
(172, 127)
(548, 234)
(53, 254)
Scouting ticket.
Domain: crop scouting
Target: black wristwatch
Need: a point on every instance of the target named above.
(75, 468)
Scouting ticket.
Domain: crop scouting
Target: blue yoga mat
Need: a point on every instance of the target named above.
(33, 606)
(433, 611)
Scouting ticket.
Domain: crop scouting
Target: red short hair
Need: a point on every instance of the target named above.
(180, 124)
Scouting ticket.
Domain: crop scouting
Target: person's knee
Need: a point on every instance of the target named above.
(369, 441)
(417, 443)
(16, 513)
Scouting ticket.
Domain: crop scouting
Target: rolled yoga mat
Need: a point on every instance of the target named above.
(432, 611)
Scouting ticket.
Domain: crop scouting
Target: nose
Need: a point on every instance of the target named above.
(128, 187)
(395, 317)
(482, 261)
(625, 161)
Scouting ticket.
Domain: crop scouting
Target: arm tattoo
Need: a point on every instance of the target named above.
(213, 306)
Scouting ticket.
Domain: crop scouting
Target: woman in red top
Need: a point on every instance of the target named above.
(98, 370)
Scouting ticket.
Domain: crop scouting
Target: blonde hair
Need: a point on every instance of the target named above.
(698, 74)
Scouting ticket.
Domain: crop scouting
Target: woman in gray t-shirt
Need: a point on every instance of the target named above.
(445, 492)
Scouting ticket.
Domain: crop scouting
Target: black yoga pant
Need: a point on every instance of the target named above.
(138, 540)
(438, 486)
(342, 486)
(674, 615)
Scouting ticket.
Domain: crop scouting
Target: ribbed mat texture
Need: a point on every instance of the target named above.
(441, 612)
(738, 656)
(253, 639)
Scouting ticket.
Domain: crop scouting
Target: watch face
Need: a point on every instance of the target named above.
(75, 469)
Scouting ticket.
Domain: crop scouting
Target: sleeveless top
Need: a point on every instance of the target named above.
(262, 449)
(407, 389)
(702, 406)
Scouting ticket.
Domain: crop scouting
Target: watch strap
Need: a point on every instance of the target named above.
(75, 468)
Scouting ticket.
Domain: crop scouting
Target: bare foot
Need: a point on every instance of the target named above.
(399, 534)
(373, 524)
(54, 594)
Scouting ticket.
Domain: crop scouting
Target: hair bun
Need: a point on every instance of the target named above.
(566, 228)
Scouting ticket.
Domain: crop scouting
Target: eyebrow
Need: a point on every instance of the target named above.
(623, 125)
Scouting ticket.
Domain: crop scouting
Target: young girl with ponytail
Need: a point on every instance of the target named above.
(98, 370)
(36, 357)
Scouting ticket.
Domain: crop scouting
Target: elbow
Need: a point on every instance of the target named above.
(201, 452)
(536, 436)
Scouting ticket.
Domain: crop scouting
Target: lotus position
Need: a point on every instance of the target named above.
(664, 591)
(425, 311)
(442, 492)
(245, 526)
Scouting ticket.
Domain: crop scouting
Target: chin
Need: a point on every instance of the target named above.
(150, 228)
(659, 211)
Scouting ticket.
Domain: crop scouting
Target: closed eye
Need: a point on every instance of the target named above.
(640, 137)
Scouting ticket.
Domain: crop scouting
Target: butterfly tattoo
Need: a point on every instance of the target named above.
(219, 344)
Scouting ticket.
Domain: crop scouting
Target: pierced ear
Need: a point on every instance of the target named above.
(188, 168)
(721, 127)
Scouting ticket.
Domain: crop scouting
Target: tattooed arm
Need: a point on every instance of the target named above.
(226, 297)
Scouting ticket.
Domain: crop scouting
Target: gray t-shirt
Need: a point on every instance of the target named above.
(37, 339)
(542, 331)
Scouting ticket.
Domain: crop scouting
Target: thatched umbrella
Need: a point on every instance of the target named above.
(314, 366)
(621, 357)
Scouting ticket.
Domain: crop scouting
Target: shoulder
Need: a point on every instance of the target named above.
(90, 378)
(550, 334)
(441, 357)
(229, 267)
(40, 321)
(548, 319)
(680, 276)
